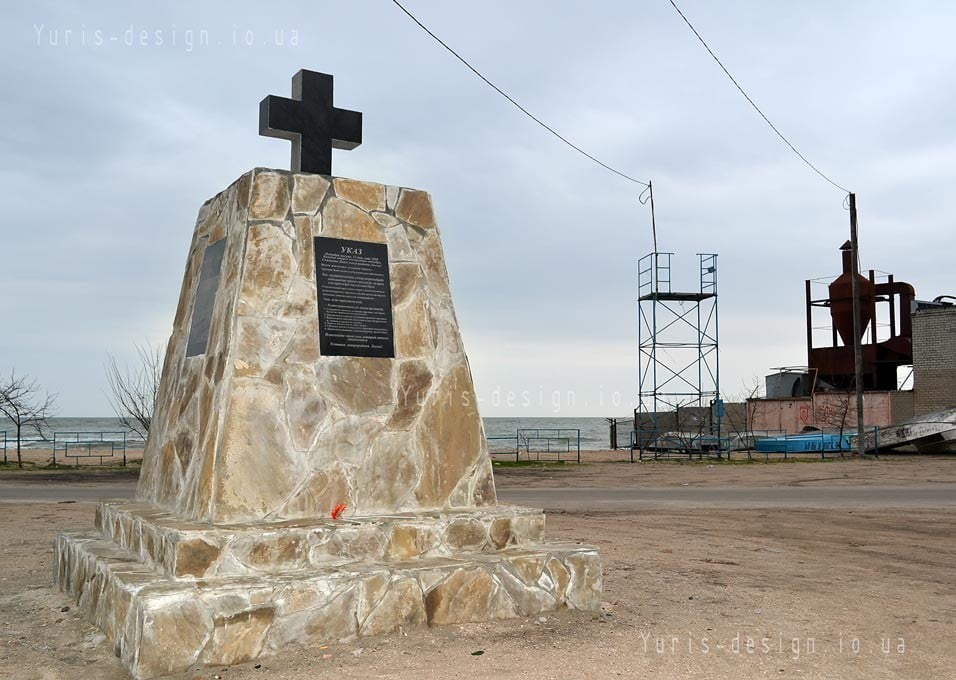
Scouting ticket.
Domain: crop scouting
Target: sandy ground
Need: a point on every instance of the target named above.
(82, 457)
(689, 592)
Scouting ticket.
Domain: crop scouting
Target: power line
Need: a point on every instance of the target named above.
(517, 105)
(751, 101)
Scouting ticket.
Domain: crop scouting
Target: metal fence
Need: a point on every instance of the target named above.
(688, 445)
(537, 441)
(94, 444)
(674, 444)
(818, 442)
(74, 446)
(498, 449)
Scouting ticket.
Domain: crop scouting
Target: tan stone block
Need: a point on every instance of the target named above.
(500, 532)
(371, 591)
(345, 544)
(270, 196)
(391, 197)
(483, 486)
(399, 248)
(257, 469)
(149, 544)
(528, 599)
(413, 330)
(528, 529)
(449, 352)
(356, 384)
(467, 595)
(346, 441)
(432, 260)
(408, 541)
(204, 487)
(332, 621)
(271, 554)
(305, 343)
(194, 557)
(585, 586)
(406, 280)
(118, 534)
(324, 490)
(242, 190)
(365, 195)
(217, 230)
(297, 597)
(209, 213)
(304, 247)
(387, 221)
(528, 566)
(389, 475)
(341, 219)
(172, 637)
(415, 207)
(206, 394)
(269, 268)
(414, 382)
(467, 535)
(308, 192)
(449, 436)
(240, 637)
(168, 474)
(300, 302)
(402, 606)
(184, 445)
(187, 390)
(305, 407)
(260, 343)
(120, 599)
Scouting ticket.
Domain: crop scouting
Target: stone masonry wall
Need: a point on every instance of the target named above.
(262, 426)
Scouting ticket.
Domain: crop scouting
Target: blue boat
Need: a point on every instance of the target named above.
(806, 442)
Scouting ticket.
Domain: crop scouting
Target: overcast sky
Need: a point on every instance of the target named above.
(110, 147)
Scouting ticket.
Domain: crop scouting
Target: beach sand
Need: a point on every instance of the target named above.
(705, 592)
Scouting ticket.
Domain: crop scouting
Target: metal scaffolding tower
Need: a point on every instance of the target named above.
(678, 359)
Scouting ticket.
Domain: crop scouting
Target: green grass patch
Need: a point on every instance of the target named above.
(531, 463)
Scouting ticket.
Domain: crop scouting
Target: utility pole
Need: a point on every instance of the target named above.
(857, 331)
(650, 191)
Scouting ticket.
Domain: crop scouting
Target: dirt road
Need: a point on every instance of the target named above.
(690, 591)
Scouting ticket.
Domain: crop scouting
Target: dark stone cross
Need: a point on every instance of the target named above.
(310, 122)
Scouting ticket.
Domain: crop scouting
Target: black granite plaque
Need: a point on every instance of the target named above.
(355, 298)
(205, 298)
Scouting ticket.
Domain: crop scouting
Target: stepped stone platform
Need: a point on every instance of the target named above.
(171, 594)
(316, 466)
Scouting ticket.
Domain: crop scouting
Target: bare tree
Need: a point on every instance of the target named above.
(836, 412)
(740, 421)
(23, 405)
(134, 390)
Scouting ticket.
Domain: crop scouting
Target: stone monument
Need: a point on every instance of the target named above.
(316, 468)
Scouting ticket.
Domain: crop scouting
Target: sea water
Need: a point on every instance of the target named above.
(502, 432)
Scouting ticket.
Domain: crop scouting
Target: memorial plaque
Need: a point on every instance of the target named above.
(205, 298)
(355, 298)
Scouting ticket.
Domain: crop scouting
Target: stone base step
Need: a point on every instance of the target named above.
(159, 624)
(187, 549)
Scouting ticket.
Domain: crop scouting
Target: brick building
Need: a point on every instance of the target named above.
(934, 359)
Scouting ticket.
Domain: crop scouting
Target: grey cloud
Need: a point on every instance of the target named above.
(110, 151)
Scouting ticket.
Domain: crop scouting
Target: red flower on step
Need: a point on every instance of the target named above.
(338, 510)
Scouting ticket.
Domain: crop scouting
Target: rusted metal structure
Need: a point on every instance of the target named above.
(881, 358)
